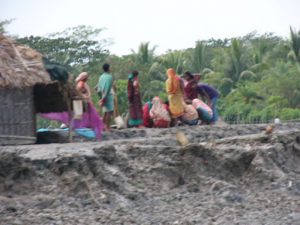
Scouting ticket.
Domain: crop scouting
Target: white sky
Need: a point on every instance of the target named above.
(169, 24)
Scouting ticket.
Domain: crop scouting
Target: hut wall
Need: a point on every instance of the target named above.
(49, 98)
(17, 116)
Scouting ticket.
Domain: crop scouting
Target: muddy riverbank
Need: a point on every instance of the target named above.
(226, 175)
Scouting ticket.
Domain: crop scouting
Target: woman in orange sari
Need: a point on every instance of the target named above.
(174, 88)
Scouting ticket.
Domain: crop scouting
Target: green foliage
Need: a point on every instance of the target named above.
(277, 102)
(236, 64)
(248, 93)
(206, 71)
(121, 86)
(259, 67)
(289, 114)
(157, 72)
(76, 48)
(121, 66)
(295, 43)
(295, 46)
(261, 47)
(45, 123)
(219, 81)
(247, 75)
(292, 56)
(198, 57)
(218, 43)
(173, 59)
(254, 116)
(155, 88)
(145, 54)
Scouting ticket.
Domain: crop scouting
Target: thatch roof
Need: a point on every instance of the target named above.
(20, 66)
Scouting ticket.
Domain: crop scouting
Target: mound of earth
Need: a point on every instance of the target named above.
(234, 174)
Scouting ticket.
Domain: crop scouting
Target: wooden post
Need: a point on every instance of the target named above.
(70, 123)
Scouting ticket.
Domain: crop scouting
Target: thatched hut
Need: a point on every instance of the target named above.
(26, 88)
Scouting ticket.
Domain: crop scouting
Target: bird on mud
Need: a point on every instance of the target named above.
(269, 129)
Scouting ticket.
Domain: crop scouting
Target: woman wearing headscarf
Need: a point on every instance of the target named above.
(90, 117)
(82, 86)
(204, 111)
(174, 88)
(134, 99)
(147, 121)
(159, 113)
(191, 88)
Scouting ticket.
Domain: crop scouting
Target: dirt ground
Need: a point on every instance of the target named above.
(226, 175)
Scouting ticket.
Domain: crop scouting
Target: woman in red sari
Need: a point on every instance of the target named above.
(147, 121)
(134, 100)
(191, 88)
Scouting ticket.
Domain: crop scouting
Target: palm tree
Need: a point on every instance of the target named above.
(157, 72)
(145, 54)
(295, 43)
(235, 55)
(237, 61)
(198, 57)
(173, 59)
(262, 49)
(295, 46)
(248, 94)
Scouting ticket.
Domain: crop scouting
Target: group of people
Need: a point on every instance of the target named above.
(182, 107)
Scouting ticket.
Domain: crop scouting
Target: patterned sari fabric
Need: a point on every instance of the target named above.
(159, 113)
(174, 88)
(205, 112)
(134, 100)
